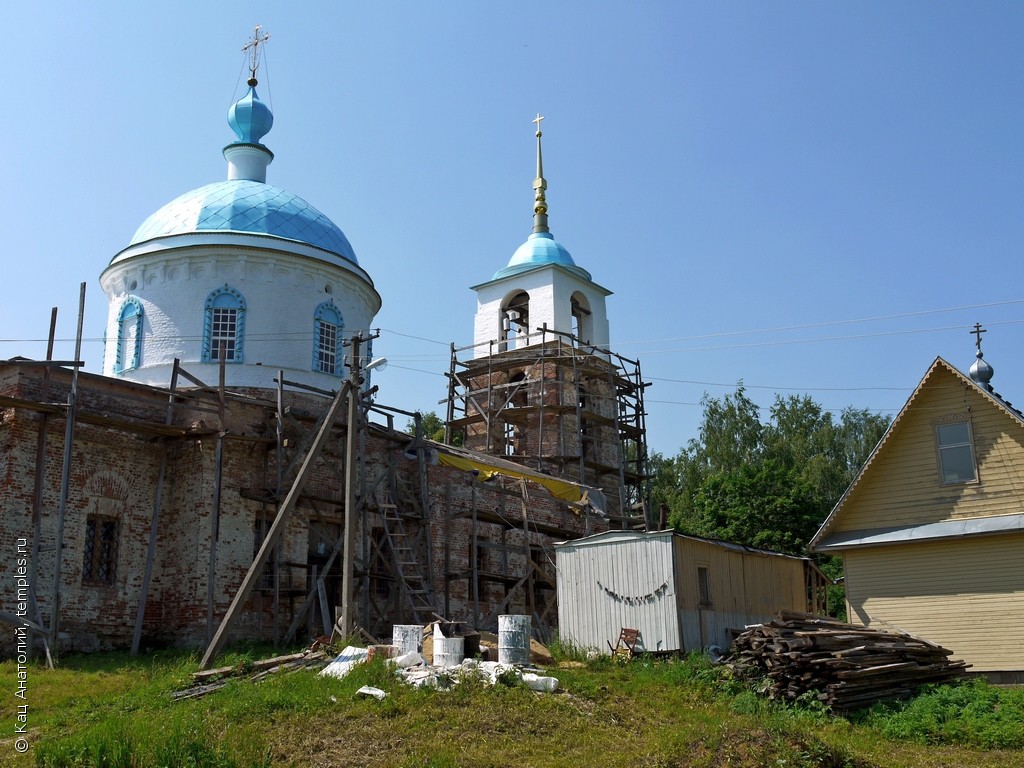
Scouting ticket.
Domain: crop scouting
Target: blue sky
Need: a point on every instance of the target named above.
(810, 197)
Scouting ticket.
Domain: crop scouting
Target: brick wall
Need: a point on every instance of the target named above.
(115, 466)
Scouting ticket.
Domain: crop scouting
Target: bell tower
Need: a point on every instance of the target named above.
(540, 386)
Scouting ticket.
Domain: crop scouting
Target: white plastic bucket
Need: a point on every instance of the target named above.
(448, 651)
(513, 639)
(408, 638)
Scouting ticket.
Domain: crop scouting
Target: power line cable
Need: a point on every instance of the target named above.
(805, 326)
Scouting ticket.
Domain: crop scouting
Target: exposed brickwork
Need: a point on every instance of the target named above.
(115, 466)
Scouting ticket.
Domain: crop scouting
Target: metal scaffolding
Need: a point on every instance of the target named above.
(561, 407)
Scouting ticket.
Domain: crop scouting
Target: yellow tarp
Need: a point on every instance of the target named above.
(560, 489)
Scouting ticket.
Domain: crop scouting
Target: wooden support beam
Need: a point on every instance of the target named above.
(155, 521)
(276, 529)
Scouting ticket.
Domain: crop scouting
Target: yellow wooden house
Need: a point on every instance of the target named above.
(932, 530)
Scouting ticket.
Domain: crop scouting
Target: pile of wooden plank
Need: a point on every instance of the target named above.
(210, 680)
(846, 665)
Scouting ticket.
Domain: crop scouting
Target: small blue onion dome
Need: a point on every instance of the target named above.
(250, 118)
(540, 249)
(245, 206)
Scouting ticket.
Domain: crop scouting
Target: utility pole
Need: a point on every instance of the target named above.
(351, 479)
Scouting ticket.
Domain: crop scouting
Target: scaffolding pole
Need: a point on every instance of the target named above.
(37, 494)
(65, 481)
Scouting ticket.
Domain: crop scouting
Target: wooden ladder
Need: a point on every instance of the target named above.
(415, 586)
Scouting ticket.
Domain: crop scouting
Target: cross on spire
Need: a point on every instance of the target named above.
(540, 203)
(976, 332)
(252, 47)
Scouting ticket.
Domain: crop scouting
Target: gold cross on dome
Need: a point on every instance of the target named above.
(537, 120)
(259, 37)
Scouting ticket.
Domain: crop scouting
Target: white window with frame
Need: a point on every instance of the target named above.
(224, 326)
(955, 445)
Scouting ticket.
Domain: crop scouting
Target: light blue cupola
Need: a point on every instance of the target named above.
(233, 272)
(251, 120)
(249, 117)
(245, 202)
(540, 249)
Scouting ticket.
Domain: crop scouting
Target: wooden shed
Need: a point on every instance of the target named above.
(682, 592)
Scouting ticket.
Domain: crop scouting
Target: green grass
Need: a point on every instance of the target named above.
(112, 710)
(974, 714)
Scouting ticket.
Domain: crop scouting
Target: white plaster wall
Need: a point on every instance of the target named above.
(550, 290)
(281, 291)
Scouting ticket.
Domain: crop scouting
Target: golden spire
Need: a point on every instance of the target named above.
(540, 204)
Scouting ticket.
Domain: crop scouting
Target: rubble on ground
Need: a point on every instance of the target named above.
(413, 669)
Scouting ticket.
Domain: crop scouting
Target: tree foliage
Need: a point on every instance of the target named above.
(764, 483)
(433, 426)
(767, 484)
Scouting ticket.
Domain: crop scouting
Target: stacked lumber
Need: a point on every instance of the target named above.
(848, 666)
(210, 680)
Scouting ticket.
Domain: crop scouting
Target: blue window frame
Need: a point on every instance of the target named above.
(129, 335)
(224, 325)
(327, 327)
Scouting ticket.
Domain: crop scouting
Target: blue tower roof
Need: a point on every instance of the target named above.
(540, 249)
(242, 205)
(250, 118)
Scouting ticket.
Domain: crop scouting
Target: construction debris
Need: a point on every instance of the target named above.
(210, 680)
(848, 666)
(486, 643)
(438, 676)
(345, 661)
(413, 669)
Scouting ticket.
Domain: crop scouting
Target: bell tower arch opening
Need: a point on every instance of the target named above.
(515, 321)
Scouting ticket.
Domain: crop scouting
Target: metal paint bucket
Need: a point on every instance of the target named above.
(448, 651)
(408, 638)
(514, 639)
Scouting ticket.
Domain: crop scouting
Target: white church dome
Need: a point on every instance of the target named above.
(238, 269)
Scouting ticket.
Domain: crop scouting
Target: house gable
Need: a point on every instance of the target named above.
(900, 486)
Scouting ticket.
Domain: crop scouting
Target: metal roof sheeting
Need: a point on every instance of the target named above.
(975, 526)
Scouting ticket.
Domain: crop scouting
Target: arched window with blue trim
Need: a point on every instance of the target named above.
(224, 325)
(327, 326)
(129, 335)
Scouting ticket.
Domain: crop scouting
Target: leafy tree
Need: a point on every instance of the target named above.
(764, 505)
(730, 437)
(767, 484)
(802, 455)
(433, 426)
